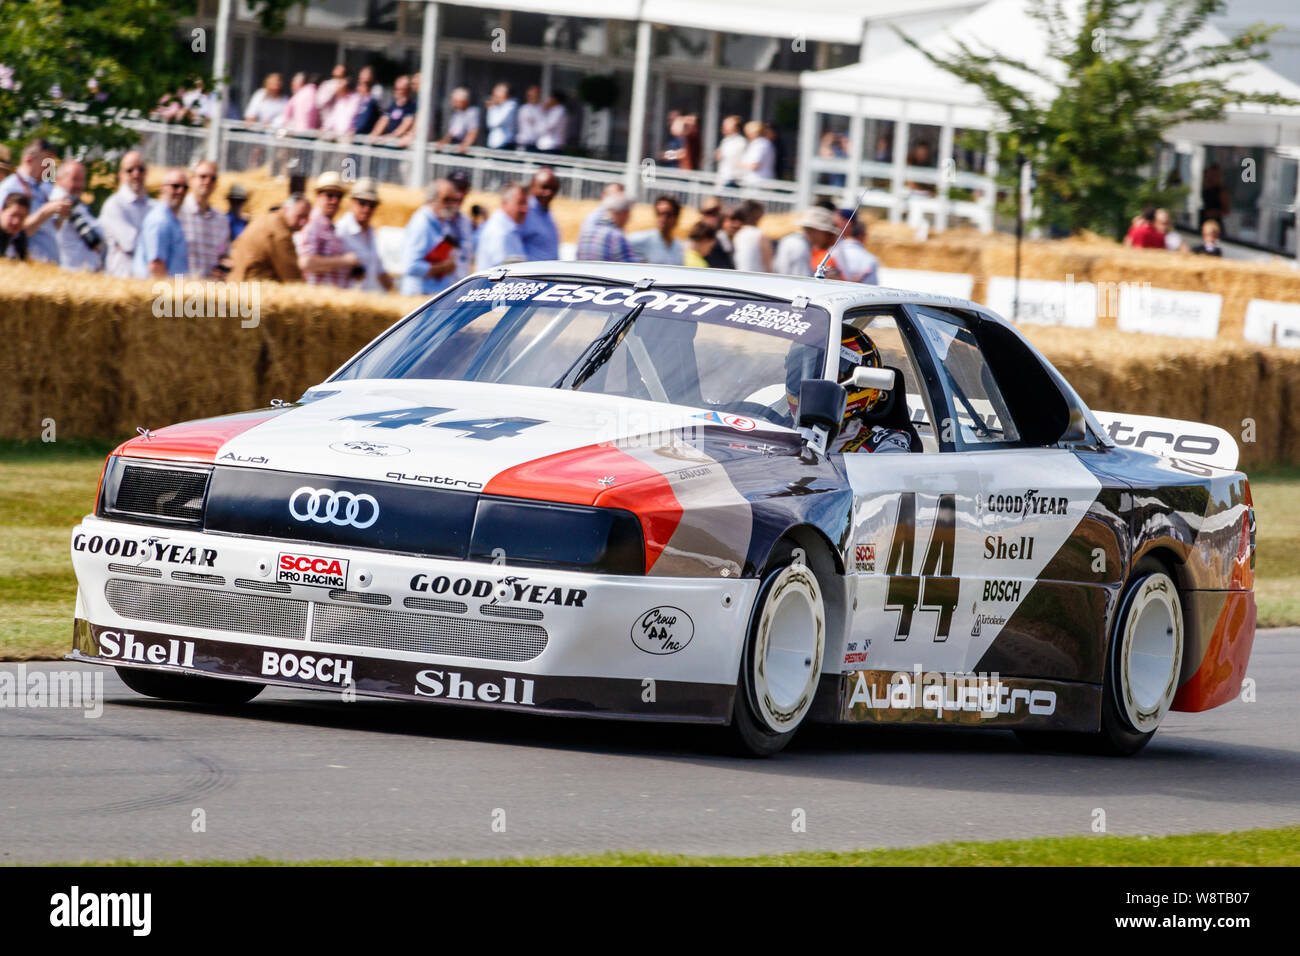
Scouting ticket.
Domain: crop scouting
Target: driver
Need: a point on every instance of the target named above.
(856, 435)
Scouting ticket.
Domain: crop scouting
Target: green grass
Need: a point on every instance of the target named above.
(45, 490)
(1277, 567)
(1244, 848)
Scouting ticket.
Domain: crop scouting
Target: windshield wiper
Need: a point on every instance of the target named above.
(599, 351)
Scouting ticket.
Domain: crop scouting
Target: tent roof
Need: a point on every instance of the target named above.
(835, 21)
(907, 83)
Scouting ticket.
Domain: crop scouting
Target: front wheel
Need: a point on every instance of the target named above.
(189, 688)
(782, 661)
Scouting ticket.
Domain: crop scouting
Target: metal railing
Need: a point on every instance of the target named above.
(245, 147)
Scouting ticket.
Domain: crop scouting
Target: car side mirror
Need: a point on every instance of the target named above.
(821, 411)
(864, 376)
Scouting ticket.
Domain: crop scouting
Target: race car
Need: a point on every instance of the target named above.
(660, 493)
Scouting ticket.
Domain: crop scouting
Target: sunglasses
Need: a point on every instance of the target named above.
(368, 203)
(181, 186)
(133, 169)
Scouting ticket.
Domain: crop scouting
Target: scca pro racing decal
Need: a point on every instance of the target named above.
(312, 570)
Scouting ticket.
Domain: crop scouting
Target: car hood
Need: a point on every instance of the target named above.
(464, 434)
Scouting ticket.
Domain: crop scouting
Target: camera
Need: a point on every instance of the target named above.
(85, 227)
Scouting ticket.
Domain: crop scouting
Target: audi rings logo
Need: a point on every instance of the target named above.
(342, 508)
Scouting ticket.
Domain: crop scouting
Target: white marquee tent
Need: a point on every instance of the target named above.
(905, 88)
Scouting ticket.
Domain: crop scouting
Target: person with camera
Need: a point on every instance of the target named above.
(81, 241)
(30, 179)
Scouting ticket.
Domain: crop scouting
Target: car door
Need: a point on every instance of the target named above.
(950, 544)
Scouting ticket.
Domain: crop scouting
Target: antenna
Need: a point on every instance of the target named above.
(821, 267)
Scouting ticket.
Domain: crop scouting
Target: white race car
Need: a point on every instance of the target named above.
(625, 491)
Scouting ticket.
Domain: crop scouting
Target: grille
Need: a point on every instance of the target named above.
(433, 604)
(162, 492)
(505, 610)
(427, 633)
(356, 597)
(195, 578)
(133, 569)
(194, 607)
(277, 586)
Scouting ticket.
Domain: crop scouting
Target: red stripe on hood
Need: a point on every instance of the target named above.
(573, 477)
(193, 441)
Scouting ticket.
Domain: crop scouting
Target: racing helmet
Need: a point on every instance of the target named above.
(856, 348)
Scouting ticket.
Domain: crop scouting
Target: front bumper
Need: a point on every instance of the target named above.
(409, 627)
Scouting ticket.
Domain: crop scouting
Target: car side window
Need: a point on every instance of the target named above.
(882, 328)
(977, 414)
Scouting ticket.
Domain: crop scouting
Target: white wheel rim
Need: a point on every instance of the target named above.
(788, 646)
(1151, 655)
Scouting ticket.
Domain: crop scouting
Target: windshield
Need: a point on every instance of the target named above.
(712, 350)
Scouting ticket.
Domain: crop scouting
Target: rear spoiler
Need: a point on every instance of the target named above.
(1171, 438)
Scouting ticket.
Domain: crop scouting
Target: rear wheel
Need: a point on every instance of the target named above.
(782, 661)
(1143, 663)
(190, 688)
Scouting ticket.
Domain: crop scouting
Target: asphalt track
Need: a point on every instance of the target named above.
(295, 775)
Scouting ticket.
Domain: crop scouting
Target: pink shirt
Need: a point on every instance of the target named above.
(301, 113)
(338, 117)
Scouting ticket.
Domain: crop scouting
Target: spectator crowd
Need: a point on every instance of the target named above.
(327, 236)
(347, 109)
(1154, 229)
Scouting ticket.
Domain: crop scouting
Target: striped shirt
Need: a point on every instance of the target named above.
(320, 238)
(603, 241)
(207, 237)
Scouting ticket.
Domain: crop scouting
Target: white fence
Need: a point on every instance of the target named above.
(244, 148)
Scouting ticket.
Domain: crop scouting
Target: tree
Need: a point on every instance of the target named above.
(1123, 73)
(70, 70)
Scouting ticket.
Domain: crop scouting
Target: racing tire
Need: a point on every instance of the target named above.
(780, 666)
(189, 688)
(1143, 663)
